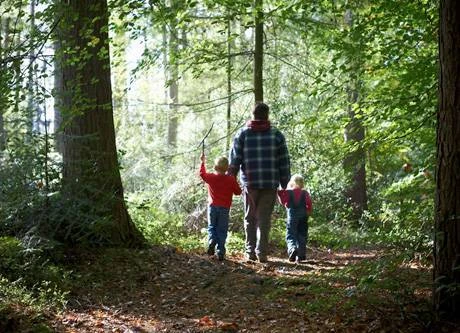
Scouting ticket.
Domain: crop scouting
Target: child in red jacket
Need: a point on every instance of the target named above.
(221, 188)
(298, 207)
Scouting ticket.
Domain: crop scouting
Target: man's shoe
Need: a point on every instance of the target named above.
(211, 248)
(292, 255)
(251, 257)
(220, 256)
(302, 258)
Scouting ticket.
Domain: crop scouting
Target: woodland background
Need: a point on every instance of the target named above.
(353, 85)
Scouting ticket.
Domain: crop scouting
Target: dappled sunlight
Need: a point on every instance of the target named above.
(178, 291)
(111, 110)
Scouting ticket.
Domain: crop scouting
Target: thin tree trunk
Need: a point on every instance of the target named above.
(258, 51)
(275, 82)
(173, 78)
(355, 161)
(446, 274)
(4, 34)
(58, 91)
(90, 166)
(229, 83)
(31, 106)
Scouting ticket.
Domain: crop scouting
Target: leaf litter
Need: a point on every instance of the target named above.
(162, 289)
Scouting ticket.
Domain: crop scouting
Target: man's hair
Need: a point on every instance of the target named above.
(221, 164)
(260, 111)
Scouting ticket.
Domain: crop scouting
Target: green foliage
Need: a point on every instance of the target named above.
(31, 283)
(29, 262)
(28, 277)
(160, 226)
(235, 242)
(28, 177)
(312, 58)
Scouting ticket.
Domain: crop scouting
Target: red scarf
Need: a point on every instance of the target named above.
(258, 125)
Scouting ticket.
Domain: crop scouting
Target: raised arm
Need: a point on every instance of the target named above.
(203, 167)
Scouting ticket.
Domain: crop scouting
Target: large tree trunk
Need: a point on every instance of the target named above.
(355, 161)
(446, 292)
(258, 51)
(90, 171)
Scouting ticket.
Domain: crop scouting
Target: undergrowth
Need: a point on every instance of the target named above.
(30, 286)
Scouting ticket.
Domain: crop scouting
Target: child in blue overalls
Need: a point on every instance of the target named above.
(298, 207)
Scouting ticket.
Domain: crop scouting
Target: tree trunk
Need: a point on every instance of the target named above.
(58, 93)
(446, 294)
(58, 89)
(4, 41)
(90, 166)
(173, 78)
(258, 51)
(229, 83)
(173, 120)
(31, 105)
(355, 161)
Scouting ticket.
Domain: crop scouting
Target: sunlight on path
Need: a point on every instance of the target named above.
(180, 292)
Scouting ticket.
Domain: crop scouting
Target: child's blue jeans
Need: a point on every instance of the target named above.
(297, 234)
(218, 218)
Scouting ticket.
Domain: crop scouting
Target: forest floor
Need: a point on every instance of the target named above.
(162, 289)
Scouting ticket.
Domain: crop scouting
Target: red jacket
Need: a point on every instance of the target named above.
(220, 187)
(283, 197)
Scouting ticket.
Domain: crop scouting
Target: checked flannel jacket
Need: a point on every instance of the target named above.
(260, 152)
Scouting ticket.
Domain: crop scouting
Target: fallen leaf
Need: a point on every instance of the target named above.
(229, 327)
(206, 321)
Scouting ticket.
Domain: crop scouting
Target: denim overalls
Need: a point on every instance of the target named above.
(296, 225)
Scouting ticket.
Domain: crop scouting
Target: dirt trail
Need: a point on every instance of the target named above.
(162, 290)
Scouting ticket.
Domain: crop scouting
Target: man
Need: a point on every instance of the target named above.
(259, 151)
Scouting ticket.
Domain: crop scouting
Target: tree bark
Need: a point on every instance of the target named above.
(90, 164)
(258, 51)
(173, 78)
(32, 110)
(229, 82)
(355, 161)
(4, 34)
(58, 93)
(446, 294)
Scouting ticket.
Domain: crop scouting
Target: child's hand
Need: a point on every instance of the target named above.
(202, 157)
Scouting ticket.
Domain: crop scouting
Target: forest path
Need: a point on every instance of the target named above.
(163, 290)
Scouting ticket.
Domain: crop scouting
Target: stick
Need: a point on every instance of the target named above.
(204, 138)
